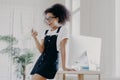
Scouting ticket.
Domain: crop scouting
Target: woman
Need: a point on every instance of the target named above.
(53, 43)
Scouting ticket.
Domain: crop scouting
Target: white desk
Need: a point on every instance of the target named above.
(79, 73)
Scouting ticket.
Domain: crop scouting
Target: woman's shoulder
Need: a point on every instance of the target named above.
(64, 29)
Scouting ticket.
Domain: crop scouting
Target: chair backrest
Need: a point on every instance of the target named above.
(80, 45)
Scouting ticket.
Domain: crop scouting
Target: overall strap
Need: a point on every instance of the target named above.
(46, 32)
(58, 29)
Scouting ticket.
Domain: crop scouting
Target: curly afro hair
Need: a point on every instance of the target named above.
(60, 11)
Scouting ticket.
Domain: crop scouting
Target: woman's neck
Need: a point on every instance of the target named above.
(54, 28)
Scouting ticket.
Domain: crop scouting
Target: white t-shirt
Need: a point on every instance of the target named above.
(62, 34)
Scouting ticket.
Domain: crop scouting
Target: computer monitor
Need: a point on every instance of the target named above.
(83, 48)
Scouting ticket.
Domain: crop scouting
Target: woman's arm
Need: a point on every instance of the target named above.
(40, 46)
(63, 54)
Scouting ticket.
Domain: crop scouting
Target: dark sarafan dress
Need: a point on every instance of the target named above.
(47, 63)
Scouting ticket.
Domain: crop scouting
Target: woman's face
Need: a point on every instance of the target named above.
(51, 20)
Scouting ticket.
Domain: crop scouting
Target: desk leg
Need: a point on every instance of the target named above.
(80, 77)
(64, 77)
(99, 77)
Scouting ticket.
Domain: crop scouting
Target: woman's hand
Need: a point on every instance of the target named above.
(34, 33)
(69, 69)
(40, 46)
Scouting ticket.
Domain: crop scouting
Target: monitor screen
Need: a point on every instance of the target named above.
(84, 50)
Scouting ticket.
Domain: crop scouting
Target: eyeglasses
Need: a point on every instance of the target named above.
(49, 19)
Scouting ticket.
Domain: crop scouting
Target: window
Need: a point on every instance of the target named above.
(5, 70)
(74, 24)
(17, 45)
(74, 6)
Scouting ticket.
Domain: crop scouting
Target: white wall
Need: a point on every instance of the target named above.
(117, 19)
(98, 19)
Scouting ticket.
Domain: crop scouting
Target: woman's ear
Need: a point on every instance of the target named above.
(56, 23)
